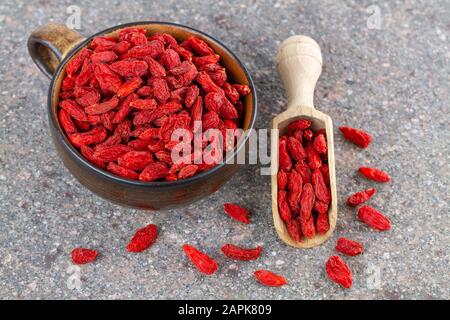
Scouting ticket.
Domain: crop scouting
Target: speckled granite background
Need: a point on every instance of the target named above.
(392, 81)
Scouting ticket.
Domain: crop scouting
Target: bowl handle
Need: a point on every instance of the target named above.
(49, 44)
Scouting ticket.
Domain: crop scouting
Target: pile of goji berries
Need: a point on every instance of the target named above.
(122, 98)
(303, 180)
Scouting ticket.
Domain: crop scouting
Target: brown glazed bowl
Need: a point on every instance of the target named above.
(53, 45)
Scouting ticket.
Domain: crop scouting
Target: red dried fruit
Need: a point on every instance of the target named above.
(160, 89)
(122, 171)
(321, 190)
(83, 255)
(154, 171)
(283, 206)
(320, 207)
(243, 89)
(295, 149)
(320, 144)
(300, 124)
(285, 162)
(144, 104)
(313, 158)
(104, 56)
(112, 153)
(93, 136)
(349, 247)
(76, 62)
(360, 197)
(306, 205)
(358, 137)
(373, 218)
(374, 174)
(294, 186)
(187, 171)
(282, 179)
(198, 46)
(153, 49)
(88, 153)
(143, 238)
(135, 160)
(302, 168)
(326, 174)
(66, 122)
(269, 278)
(207, 84)
(74, 110)
(170, 59)
(238, 253)
(322, 224)
(338, 271)
(294, 230)
(201, 260)
(237, 212)
(129, 86)
(107, 79)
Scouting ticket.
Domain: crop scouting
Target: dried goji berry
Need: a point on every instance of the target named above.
(74, 110)
(238, 253)
(243, 89)
(282, 179)
(154, 171)
(320, 144)
(322, 224)
(374, 174)
(320, 189)
(121, 171)
(358, 137)
(237, 212)
(373, 218)
(201, 260)
(295, 149)
(83, 255)
(285, 161)
(360, 197)
(338, 271)
(306, 205)
(143, 238)
(349, 247)
(93, 136)
(66, 122)
(283, 206)
(294, 186)
(112, 153)
(269, 278)
(135, 160)
(299, 124)
(294, 230)
(313, 158)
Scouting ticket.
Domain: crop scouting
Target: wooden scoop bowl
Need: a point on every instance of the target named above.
(299, 62)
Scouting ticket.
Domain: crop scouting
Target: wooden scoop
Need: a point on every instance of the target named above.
(299, 62)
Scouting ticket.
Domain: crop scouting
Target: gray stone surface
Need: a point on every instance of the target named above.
(392, 81)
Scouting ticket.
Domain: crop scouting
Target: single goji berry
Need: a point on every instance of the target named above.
(295, 149)
(269, 278)
(373, 218)
(294, 186)
(243, 89)
(74, 110)
(282, 179)
(238, 253)
(313, 158)
(121, 171)
(135, 160)
(284, 159)
(358, 137)
(66, 122)
(201, 260)
(143, 238)
(338, 271)
(306, 205)
(320, 144)
(154, 171)
(374, 174)
(283, 206)
(300, 124)
(320, 189)
(349, 247)
(83, 255)
(237, 212)
(322, 223)
(294, 230)
(360, 197)
(112, 153)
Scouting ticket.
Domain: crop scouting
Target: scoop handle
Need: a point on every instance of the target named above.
(299, 62)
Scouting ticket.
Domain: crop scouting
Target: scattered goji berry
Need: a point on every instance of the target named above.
(83, 255)
(143, 238)
(338, 271)
(201, 260)
(373, 218)
(349, 247)
(238, 253)
(374, 174)
(269, 278)
(360, 197)
(237, 212)
(358, 137)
